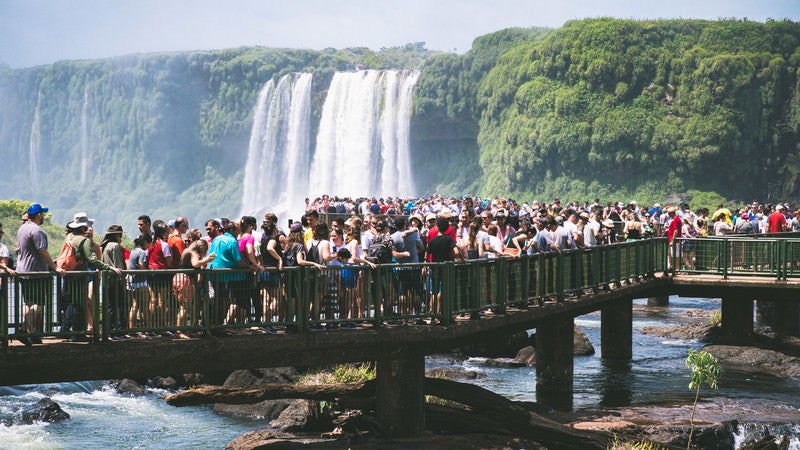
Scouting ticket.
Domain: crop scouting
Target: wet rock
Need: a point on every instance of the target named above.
(758, 360)
(130, 387)
(268, 409)
(300, 415)
(505, 346)
(45, 410)
(453, 374)
(526, 356)
(168, 383)
(503, 362)
(580, 343)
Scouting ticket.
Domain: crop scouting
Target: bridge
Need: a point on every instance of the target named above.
(394, 314)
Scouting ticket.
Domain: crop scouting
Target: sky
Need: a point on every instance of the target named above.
(36, 32)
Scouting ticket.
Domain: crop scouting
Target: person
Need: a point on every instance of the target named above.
(247, 247)
(688, 244)
(113, 256)
(144, 223)
(159, 257)
(37, 292)
(86, 254)
(7, 266)
(776, 222)
(272, 261)
(495, 248)
(633, 228)
(674, 229)
(175, 240)
(441, 248)
(409, 279)
(227, 286)
(184, 285)
(137, 283)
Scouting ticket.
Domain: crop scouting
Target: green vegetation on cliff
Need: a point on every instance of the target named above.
(609, 107)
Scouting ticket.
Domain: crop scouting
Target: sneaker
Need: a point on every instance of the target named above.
(26, 341)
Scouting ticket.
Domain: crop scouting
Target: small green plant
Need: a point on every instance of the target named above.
(705, 370)
(716, 319)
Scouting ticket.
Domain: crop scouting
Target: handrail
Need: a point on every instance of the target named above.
(302, 299)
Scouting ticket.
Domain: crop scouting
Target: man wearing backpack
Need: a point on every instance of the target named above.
(381, 250)
(33, 257)
(77, 287)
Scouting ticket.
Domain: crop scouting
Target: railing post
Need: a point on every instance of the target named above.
(4, 310)
(448, 286)
(724, 259)
(102, 321)
(501, 268)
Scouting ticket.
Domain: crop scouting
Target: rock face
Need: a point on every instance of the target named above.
(269, 409)
(759, 360)
(45, 410)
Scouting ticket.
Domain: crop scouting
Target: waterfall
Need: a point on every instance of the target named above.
(85, 135)
(362, 144)
(277, 156)
(35, 144)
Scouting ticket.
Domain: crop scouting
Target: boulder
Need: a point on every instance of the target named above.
(450, 373)
(504, 346)
(580, 344)
(130, 387)
(45, 410)
(300, 415)
(268, 409)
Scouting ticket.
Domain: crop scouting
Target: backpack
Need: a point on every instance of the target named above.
(380, 250)
(313, 253)
(67, 259)
(290, 256)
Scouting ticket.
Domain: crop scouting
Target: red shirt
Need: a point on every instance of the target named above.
(674, 229)
(776, 222)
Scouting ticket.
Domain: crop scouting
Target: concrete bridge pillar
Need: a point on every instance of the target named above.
(737, 319)
(787, 318)
(616, 330)
(555, 363)
(401, 395)
(659, 300)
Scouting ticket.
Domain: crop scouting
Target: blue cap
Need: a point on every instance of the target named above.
(36, 209)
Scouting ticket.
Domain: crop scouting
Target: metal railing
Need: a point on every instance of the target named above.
(102, 306)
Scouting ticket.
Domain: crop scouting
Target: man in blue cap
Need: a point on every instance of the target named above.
(33, 257)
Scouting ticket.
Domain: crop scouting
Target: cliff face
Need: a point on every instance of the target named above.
(599, 108)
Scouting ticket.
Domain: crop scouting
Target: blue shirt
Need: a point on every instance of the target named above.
(226, 247)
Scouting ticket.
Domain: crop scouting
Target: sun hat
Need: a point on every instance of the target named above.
(81, 219)
(114, 229)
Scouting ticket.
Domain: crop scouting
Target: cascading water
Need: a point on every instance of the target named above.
(85, 135)
(278, 150)
(362, 146)
(35, 144)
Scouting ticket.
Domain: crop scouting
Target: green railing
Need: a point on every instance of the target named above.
(765, 256)
(152, 303)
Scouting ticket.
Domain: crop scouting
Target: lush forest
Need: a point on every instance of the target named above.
(635, 109)
(607, 108)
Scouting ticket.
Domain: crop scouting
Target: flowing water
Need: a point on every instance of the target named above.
(361, 146)
(104, 419)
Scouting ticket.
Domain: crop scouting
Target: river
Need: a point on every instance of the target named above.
(103, 419)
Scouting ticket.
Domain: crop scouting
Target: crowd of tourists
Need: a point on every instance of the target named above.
(366, 232)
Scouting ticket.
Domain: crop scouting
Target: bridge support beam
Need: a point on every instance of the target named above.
(787, 318)
(401, 395)
(737, 319)
(660, 300)
(616, 330)
(555, 363)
